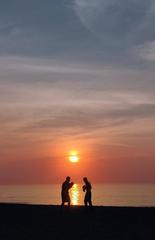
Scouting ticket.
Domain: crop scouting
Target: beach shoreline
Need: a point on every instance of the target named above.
(26, 221)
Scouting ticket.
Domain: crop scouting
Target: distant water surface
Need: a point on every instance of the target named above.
(103, 194)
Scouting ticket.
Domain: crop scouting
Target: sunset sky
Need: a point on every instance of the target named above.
(77, 75)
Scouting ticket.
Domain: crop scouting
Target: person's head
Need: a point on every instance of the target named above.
(85, 179)
(68, 179)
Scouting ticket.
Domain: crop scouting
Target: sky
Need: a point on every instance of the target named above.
(77, 75)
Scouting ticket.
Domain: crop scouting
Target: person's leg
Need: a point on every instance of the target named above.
(85, 203)
(62, 204)
(69, 200)
(85, 200)
(89, 199)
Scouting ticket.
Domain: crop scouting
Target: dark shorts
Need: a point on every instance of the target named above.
(87, 197)
(65, 197)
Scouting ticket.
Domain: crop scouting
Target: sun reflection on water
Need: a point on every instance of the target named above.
(75, 194)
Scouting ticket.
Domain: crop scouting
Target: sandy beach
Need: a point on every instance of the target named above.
(26, 222)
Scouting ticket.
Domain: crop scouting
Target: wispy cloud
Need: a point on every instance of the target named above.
(102, 31)
(78, 70)
(147, 51)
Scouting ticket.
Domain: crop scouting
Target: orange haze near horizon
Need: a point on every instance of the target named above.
(45, 164)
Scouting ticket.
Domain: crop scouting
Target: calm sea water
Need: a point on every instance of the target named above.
(103, 194)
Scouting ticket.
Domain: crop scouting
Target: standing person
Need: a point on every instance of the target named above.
(65, 191)
(87, 188)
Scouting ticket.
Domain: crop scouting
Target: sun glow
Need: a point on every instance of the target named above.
(73, 157)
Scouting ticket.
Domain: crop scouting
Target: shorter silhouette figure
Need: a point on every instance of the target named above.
(65, 191)
(87, 188)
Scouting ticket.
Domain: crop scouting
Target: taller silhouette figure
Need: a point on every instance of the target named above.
(65, 191)
(87, 188)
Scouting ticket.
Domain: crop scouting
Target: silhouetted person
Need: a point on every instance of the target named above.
(65, 191)
(87, 188)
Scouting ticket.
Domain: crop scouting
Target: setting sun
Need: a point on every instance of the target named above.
(73, 157)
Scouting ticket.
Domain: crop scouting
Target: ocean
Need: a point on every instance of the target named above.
(102, 194)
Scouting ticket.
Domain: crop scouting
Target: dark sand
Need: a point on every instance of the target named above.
(26, 222)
